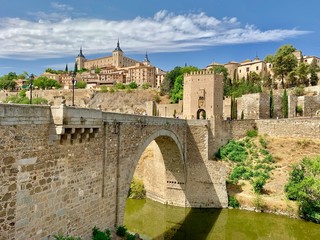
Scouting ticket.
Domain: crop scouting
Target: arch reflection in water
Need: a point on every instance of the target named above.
(153, 220)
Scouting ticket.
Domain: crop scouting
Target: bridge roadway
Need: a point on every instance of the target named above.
(65, 170)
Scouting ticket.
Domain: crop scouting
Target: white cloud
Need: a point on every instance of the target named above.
(61, 7)
(56, 35)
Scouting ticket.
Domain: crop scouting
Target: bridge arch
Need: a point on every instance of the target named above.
(166, 175)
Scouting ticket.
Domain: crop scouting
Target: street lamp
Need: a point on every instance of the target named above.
(31, 86)
(73, 83)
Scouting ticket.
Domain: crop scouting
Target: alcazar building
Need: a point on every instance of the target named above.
(118, 68)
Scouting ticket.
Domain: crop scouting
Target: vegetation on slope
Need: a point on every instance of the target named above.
(304, 187)
(249, 160)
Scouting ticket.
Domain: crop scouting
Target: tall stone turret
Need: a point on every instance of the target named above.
(203, 95)
(117, 55)
(80, 59)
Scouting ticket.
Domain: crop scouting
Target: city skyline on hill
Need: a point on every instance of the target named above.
(35, 35)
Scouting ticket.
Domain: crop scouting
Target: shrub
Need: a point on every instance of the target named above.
(97, 234)
(121, 231)
(258, 202)
(298, 91)
(146, 86)
(130, 236)
(120, 86)
(137, 190)
(263, 142)
(233, 202)
(299, 109)
(304, 186)
(81, 84)
(252, 133)
(103, 89)
(132, 85)
(258, 183)
(237, 173)
(234, 151)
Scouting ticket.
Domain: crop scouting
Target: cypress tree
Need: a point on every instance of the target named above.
(271, 104)
(285, 104)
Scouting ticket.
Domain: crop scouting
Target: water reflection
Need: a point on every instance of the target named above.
(156, 221)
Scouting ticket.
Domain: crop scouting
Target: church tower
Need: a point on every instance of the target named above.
(117, 56)
(146, 60)
(80, 59)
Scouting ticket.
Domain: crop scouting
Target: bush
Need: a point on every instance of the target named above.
(120, 86)
(304, 186)
(237, 173)
(234, 151)
(97, 234)
(263, 142)
(233, 202)
(81, 84)
(132, 85)
(299, 109)
(130, 236)
(258, 183)
(146, 86)
(121, 231)
(137, 190)
(252, 133)
(103, 89)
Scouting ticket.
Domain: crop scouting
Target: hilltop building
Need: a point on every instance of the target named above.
(241, 70)
(118, 68)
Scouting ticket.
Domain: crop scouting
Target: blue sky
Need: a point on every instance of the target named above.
(40, 34)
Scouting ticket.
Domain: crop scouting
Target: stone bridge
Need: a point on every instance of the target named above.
(65, 170)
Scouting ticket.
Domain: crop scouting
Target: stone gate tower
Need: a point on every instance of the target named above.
(203, 95)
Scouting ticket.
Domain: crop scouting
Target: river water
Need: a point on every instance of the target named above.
(153, 220)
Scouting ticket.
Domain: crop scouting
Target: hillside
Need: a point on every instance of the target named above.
(285, 152)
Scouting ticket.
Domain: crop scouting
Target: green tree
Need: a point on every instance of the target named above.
(271, 104)
(284, 102)
(218, 69)
(302, 72)
(313, 70)
(66, 69)
(176, 92)
(284, 62)
(169, 79)
(304, 186)
(269, 58)
(45, 83)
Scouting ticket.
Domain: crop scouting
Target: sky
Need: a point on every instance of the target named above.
(40, 34)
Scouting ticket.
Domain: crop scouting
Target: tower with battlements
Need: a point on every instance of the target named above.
(203, 95)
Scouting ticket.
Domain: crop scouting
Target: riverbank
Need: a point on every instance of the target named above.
(285, 152)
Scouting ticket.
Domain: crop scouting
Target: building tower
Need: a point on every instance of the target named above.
(203, 95)
(80, 59)
(146, 60)
(117, 56)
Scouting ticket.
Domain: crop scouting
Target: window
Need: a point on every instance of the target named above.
(247, 69)
(257, 68)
